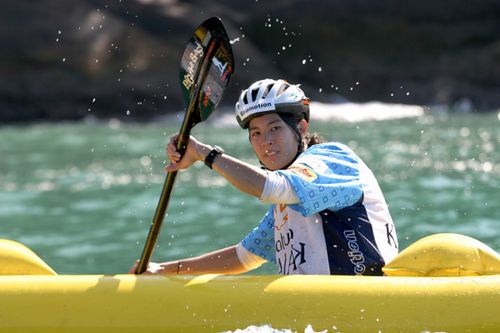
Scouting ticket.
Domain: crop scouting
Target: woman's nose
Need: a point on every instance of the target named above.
(268, 139)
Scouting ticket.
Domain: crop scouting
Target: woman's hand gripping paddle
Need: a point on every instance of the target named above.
(206, 68)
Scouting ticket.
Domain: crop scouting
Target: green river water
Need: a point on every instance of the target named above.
(82, 195)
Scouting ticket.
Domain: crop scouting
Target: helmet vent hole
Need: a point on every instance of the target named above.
(267, 90)
(254, 94)
(282, 89)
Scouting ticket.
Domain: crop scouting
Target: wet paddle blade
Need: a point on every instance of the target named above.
(207, 66)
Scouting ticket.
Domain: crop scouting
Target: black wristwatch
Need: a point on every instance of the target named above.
(209, 160)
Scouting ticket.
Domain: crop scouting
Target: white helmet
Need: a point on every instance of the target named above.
(270, 96)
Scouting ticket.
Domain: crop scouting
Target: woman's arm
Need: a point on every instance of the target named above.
(244, 176)
(223, 261)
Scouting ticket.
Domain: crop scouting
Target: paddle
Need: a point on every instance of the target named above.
(206, 68)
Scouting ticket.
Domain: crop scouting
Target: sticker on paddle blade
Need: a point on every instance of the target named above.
(219, 74)
(190, 64)
(206, 68)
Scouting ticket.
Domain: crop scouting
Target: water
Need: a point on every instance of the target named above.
(82, 195)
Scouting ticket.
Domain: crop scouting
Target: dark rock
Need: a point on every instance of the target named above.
(72, 59)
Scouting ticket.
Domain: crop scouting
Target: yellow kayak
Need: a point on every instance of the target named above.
(46, 302)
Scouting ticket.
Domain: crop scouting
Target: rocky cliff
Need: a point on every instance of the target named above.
(72, 59)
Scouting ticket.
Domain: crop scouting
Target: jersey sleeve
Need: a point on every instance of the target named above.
(326, 176)
(260, 241)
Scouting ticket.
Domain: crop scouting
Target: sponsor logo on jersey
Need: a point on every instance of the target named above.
(356, 257)
(290, 255)
(303, 172)
(281, 216)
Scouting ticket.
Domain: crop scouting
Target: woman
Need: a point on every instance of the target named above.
(327, 215)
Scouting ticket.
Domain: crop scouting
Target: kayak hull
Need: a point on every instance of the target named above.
(215, 303)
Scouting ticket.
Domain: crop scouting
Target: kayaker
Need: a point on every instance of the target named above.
(327, 214)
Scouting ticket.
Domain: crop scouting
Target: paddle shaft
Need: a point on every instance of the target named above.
(182, 142)
(158, 218)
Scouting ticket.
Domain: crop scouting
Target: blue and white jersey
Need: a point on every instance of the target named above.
(341, 224)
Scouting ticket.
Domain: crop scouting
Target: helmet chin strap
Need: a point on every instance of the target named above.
(291, 122)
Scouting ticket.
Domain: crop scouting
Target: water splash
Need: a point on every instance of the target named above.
(270, 329)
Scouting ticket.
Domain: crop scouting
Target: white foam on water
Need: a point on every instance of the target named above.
(259, 329)
(339, 112)
(270, 329)
(358, 112)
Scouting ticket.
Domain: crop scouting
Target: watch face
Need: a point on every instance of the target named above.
(218, 149)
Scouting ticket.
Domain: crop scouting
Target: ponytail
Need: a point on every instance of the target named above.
(311, 139)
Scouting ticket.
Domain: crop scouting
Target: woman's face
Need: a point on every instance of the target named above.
(274, 143)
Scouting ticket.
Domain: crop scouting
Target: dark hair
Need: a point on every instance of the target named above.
(306, 140)
(313, 139)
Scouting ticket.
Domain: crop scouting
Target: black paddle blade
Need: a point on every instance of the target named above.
(207, 66)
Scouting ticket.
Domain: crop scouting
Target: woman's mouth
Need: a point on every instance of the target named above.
(269, 153)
